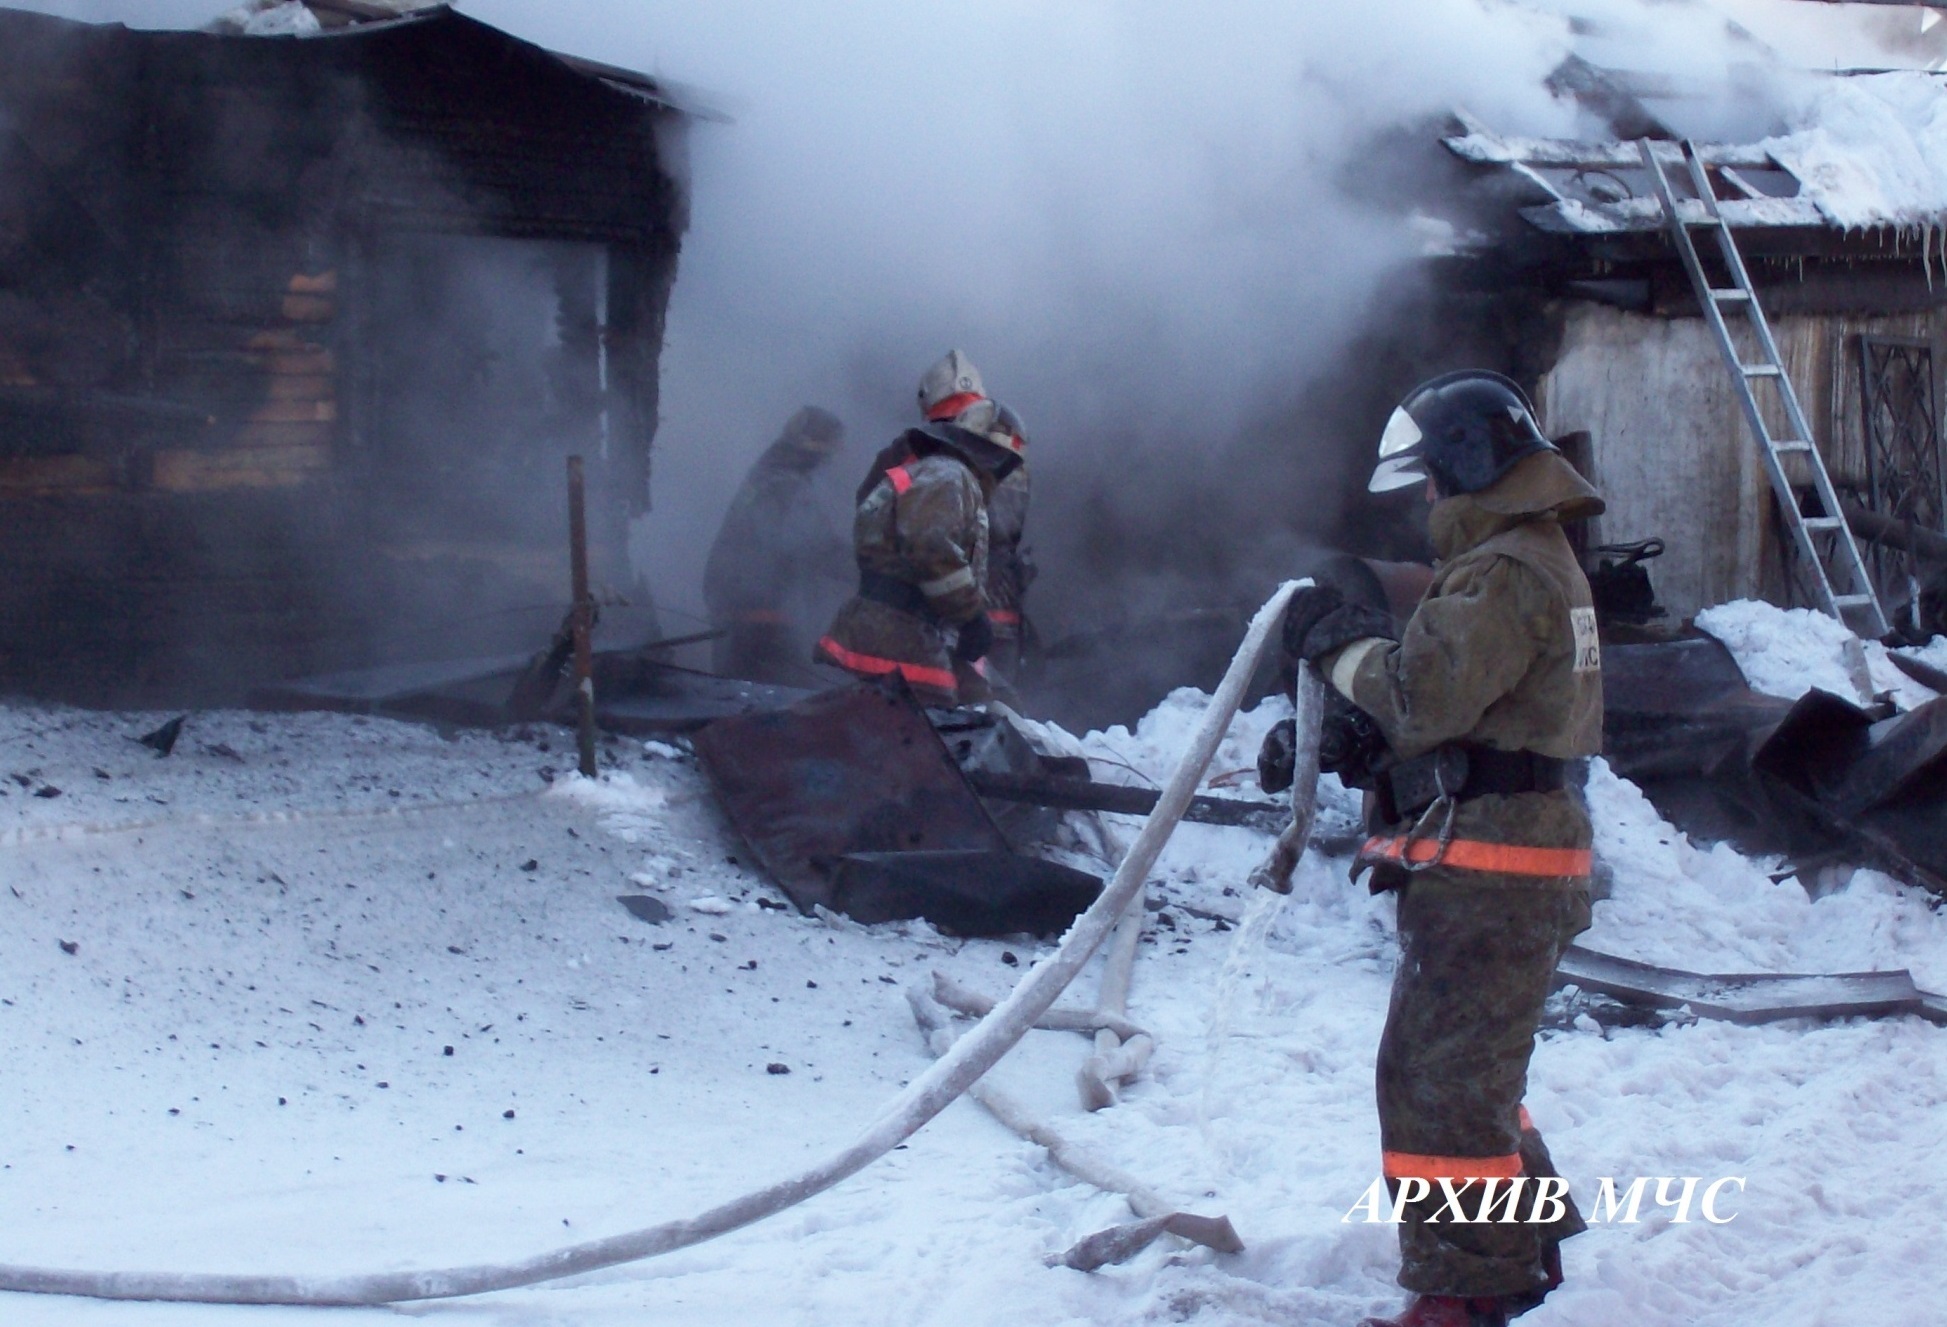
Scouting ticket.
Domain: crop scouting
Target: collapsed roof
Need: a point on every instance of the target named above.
(1873, 154)
(310, 18)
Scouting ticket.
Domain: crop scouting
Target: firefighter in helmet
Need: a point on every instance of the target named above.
(1010, 565)
(920, 537)
(1469, 731)
(775, 556)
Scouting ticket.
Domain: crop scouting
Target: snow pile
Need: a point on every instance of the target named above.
(1872, 151)
(1151, 752)
(1789, 651)
(1710, 909)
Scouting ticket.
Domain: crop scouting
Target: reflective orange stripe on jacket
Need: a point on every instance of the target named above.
(1003, 617)
(939, 679)
(1474, 855)
(901, 477)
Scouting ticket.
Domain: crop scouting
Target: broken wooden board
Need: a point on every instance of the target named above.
(1747, 998)
(1582, 188)
(1088, 795)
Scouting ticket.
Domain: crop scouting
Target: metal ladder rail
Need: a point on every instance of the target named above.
(1863, 599)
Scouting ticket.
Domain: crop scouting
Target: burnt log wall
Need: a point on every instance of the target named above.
(191, 451)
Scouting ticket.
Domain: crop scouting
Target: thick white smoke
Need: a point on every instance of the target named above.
(1151, 224)
(1144, 220)
(1134, 216)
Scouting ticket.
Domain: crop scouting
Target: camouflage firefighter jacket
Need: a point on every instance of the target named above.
(1009, 572)
(920, 536)
(1501, 652)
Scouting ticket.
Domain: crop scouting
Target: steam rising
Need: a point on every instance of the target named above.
(1160, 230)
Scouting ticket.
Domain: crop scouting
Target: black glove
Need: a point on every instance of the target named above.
(1308, 604)
(976, 638)
(1350, 744)
(1276, 758)
(1320, 621)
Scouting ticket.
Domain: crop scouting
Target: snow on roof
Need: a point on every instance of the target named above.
(1872, 150)
(1866, 150)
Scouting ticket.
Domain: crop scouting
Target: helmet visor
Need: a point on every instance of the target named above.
(1399, 455)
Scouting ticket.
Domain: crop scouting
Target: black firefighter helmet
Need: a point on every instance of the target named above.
(1463, 429)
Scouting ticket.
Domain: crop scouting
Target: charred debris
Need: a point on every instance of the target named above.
(296, 334)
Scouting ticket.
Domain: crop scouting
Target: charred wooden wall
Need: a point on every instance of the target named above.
(193, 449)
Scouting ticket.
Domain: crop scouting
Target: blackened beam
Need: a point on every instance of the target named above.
(1088, 795)
(694, 638)
(1920, 671)
(1927, 545)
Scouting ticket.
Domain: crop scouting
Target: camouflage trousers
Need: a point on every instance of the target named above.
(1477, 959)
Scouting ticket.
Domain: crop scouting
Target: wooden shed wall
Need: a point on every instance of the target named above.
(195, 470)
(1672, 453)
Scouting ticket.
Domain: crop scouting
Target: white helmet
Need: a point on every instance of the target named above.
(950, 386)
(1008, 431)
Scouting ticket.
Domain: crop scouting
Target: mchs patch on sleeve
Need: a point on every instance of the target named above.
(1588, 648)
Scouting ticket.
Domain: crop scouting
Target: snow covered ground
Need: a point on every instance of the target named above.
(322, 994)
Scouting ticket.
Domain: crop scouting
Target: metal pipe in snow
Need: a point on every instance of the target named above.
(929, 1094)
(584, 619)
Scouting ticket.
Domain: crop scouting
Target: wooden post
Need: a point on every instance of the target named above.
(584, 611)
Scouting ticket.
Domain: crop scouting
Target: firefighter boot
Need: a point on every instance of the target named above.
(1551, 1266)
(1445, 1311)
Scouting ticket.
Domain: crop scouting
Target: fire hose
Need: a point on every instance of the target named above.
(929, 1094)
